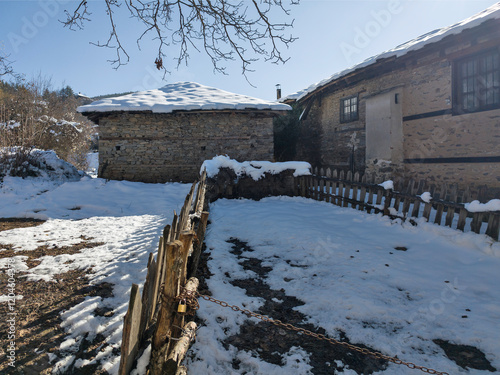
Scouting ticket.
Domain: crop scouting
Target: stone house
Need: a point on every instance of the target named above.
(165, 134)
(429, 108)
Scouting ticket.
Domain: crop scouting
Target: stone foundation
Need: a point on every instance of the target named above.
(227, 185)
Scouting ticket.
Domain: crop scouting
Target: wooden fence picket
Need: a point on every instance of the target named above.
(347, 193)
(131, 331)
(397, 202)
(148, 295)
(439, 213)
(157, 279)
(328, 185)
(416, 208)
(477, 219)
(166, 275)
(406, 206)
(462, 216)
(369, 202)
(354, 202)
(387, 201)
(322, 195)
(356, 192)
(174, 229)
(200, 235)
(380, 195)
(362, 196)
(493, 226)
(449, 216)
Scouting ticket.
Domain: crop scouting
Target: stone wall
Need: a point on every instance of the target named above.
(422, 81)
(153, 147)
(227, 185)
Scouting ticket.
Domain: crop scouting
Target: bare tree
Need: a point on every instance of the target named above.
(6, 66)
(224, 29)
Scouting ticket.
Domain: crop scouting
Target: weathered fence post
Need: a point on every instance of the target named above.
(131, 332)
(169, 292)
(493, 228)
(449, 216)
(149, 298)
(439, 213)
(200, 235)
(477, 220)
(462, 216)
(427, 211)
(165, 277)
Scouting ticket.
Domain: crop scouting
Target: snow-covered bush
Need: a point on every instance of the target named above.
(34, 116)
(18, 162)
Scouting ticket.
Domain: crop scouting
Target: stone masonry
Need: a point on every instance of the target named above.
(423, 82)
(160, 147)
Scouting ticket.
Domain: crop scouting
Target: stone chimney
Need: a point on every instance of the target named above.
(278, 91)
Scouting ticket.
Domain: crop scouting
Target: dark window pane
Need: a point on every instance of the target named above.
(478, 82)
(349, 109)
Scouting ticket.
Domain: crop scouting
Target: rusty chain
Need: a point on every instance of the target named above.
(191, 300)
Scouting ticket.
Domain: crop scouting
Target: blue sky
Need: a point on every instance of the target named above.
(333, 35)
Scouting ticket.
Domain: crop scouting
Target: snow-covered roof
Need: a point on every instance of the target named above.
(182, 96)
(437, 35)
(80, 95)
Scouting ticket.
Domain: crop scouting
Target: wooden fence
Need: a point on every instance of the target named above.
(153, 316)
(347, 190)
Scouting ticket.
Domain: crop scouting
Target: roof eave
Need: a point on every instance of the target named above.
(350, 76)
(96, 115)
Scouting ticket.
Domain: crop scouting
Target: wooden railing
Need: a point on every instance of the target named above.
(354, 191)
(153, 316)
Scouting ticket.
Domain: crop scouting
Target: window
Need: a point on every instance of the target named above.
(477, 83)
(349, 109)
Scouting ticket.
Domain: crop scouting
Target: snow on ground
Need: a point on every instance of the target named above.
(344, 265)
(127, 217)
(93, 164)
(341, 262)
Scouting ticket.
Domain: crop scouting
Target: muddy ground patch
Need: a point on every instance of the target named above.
(38, 331)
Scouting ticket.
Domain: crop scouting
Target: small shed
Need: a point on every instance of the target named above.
(165, 134)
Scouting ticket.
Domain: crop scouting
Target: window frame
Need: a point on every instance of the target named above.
(352, 117)
(478, 93)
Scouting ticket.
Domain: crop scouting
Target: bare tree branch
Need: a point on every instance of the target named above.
(81, 14)
(6, 66)
(226, 30)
